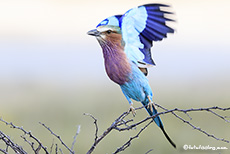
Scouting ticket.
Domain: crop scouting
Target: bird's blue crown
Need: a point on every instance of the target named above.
(113, 21)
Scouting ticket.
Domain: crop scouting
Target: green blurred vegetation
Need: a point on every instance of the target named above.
(61, 108)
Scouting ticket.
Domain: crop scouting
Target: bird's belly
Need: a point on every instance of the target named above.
(133, 90)
(137, 87)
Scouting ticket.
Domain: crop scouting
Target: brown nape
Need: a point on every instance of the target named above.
(144, 70)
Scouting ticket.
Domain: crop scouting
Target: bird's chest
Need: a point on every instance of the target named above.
(117, 67)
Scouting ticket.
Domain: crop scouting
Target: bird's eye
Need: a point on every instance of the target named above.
(108, 31)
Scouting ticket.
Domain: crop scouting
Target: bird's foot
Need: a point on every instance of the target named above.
(150, 104)
(132, 109)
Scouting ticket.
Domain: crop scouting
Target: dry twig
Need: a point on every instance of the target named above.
(75, 137)
(58, 137)
(40, 145)
(120, 124)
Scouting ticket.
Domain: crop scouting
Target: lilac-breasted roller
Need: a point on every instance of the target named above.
(126, 41)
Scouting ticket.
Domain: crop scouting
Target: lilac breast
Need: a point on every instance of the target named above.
(117, 65)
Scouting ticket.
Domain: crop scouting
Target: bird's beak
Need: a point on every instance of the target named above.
(94, 32)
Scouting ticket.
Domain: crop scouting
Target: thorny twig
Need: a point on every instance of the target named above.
(52, 145)
(149, 151)
(18, 149)
(58, 137)
(120, 124)
(56, 148)
(11, 144)
(75, 137)
(30, 143)
(96, 126)
(128, 143)
(40, 145)
(3, 151)
(106, 132)
(209, 109)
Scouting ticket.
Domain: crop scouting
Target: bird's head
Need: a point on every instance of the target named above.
(108, 31)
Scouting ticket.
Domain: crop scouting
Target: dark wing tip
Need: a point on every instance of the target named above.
(156, 24)
(157, 5)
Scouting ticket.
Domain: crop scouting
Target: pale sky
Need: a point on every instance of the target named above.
(54, 19)
(48, 37)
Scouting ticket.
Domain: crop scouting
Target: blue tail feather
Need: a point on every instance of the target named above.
(157, 121)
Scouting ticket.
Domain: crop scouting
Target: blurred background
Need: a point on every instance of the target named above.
(52, 72)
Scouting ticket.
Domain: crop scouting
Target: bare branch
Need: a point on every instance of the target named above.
(208, 109)
(149, 151)
(26, 133)
(61, 150)
(58, 137)
(56, 149)
(75, 136)
(128, 143)
(224, 118)
(52, 145)
(120, 124)
(11, 144)
(95, 123)
(30, 143)
(106, 132)
(3, 151)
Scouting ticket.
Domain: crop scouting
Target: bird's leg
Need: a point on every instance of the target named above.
(132, 109)
(150, 104)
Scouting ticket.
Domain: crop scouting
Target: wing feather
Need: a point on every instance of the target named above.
(141, 26)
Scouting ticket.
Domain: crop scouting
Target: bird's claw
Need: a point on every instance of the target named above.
(132, 109)
(150, 106)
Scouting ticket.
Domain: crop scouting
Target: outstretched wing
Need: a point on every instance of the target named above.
(141, 26)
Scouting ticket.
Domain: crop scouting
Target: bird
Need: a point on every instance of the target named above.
(126, 42)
